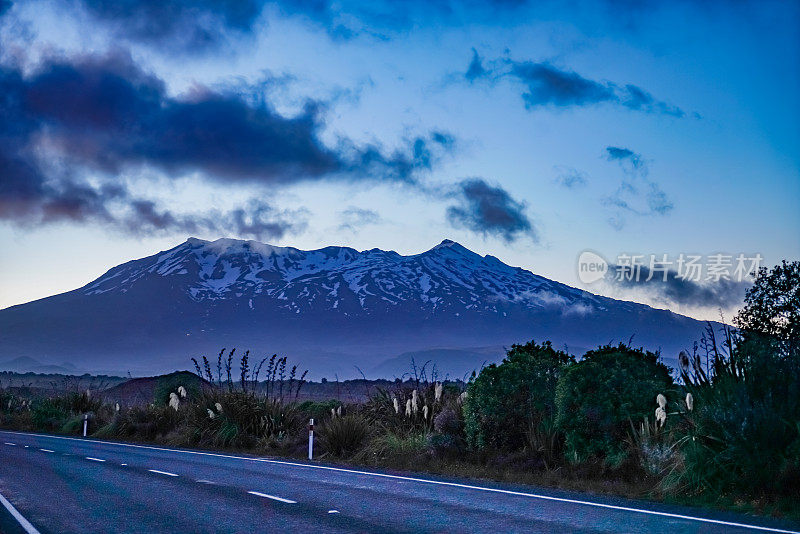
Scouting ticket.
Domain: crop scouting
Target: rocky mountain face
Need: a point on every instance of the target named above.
(331, 310)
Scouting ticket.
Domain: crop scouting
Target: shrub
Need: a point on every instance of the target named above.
(342, 436)
(504, 400)
(599, 396)
(147, 422)
(244, 420)
(448, 421)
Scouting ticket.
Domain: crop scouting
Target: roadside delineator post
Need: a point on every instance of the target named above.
(85, 423)
(310, 439)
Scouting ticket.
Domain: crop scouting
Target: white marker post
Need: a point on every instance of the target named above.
(85, 423)
(311, 439)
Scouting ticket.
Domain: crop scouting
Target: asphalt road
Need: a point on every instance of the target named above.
(60, 484)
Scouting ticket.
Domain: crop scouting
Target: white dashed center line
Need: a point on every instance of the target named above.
(273, 497)
(95, 459)
(123, 464)
(202, 481)
(12, 444)
(162, 472)
(46, 450)
(333, 511)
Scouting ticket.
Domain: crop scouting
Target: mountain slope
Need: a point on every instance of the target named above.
(330, 309)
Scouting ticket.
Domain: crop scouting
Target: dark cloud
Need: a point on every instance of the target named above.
(354, 218)
(490, 210)
(723, 293)
(103, 116)
(255, 220)
(182, 25)
(259, 220)
(107, 113)
(193, 26)
(196, 26)
(476, 69)
(549, 86)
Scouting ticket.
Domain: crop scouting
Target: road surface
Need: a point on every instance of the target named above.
(61, 484)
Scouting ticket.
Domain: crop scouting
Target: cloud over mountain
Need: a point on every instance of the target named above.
(490, 211)
(671, 288)
(105, 117)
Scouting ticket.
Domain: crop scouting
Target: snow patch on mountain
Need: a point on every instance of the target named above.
(448, 276)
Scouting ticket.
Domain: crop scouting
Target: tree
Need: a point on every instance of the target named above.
(598, 397)
(771, 313)
(505, 400)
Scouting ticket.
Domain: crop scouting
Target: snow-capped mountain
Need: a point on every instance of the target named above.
(342, 280)
(331, 309)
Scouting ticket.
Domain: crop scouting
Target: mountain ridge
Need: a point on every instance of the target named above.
(332, 308)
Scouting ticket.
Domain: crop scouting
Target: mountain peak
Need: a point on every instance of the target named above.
(448, 247)
(449, 244)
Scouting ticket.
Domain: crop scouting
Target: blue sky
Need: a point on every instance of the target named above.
(531, 132)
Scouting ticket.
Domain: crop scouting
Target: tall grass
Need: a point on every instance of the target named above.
(743, 435)
(345, 435)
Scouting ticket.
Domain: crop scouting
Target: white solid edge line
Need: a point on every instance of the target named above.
(95, 459)
(24, 523)
(162, 472)
(425, 481)
(273, 497)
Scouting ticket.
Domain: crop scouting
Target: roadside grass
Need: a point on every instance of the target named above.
(413, 455)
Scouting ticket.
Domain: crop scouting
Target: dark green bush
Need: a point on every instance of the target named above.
(504, 400)
(49, 415)
(599, 396)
